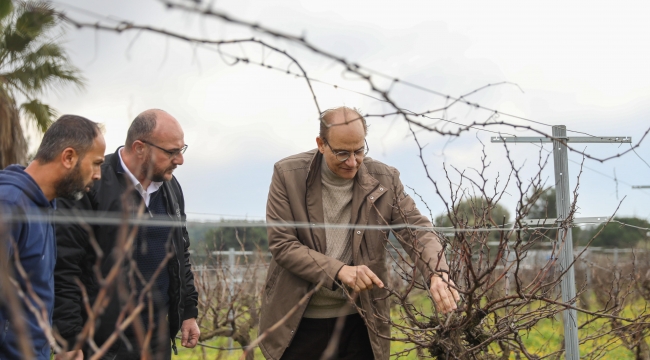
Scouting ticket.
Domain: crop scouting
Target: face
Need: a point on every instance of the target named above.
(84, 174)
(158, 165)
(348, 137)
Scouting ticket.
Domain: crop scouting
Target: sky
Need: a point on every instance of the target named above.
(579, 64)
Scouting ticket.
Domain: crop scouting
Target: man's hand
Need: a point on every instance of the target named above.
(70, 355)
(190, 333)
(444, 295)
(358, 278)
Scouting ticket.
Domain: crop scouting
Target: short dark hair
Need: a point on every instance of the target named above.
(325, 115)
(141, 128)
(69, 131)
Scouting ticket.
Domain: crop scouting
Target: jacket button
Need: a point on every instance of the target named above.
(372, 197)
(358, 232)
(381, 189)
(292, 331)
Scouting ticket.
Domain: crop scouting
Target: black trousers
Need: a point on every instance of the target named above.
(160, 347)
(313, 335)
(121, 352)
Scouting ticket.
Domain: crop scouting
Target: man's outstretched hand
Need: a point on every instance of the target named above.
(443, 294)
(358, 278)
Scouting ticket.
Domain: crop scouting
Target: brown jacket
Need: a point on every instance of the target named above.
(299, 262)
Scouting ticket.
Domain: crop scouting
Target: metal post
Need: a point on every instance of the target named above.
(231, 288)
(588, 266)
(568, 285)
(562, 193)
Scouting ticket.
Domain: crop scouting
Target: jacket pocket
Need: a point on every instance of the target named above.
(270, 283)
(373, 240)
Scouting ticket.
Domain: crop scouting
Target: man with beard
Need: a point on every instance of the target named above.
(66, 165)
(137, 181)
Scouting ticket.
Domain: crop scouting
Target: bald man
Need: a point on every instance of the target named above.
(338, 184)
(137, 179)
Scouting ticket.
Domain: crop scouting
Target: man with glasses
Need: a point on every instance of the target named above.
(339, 186)
(137, 182)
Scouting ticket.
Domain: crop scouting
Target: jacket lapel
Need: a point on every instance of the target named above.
(314, 203)
(364, 186)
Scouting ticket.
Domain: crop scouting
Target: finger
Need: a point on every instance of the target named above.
(452, 298)
(374, 278)
(196, 335)
(446, 303)
(450, 286)
(364, 282)
(439, 292)
(436, 298)
(455, 294)
(185, 332)
(192, 341)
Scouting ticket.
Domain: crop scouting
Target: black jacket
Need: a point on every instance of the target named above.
(76, 256)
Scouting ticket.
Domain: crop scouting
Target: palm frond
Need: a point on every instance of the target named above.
(34, 79)
(41, 114)
(32, 59)
(6, 7)
(36, 18)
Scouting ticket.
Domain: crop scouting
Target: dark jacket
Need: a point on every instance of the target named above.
(20, 196)
(114, 194)
(299, 260)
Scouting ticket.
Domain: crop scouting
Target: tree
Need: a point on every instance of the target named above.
(476, 212)
(545, 207)
(617, 235)
(32, 61)
(234, 234)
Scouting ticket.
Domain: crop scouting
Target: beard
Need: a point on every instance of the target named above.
(72, 186)
(152, 172)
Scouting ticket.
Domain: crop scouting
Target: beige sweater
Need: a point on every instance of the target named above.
(337, 208)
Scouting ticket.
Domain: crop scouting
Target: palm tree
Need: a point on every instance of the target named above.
(32, 61)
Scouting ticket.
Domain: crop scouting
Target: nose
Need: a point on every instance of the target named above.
(351, 161)
(97, 175)
(178, 159)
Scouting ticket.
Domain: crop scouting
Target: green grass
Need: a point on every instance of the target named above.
(544, 338)
(200, 352)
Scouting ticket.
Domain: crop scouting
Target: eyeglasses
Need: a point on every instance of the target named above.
(171, 153)
(344, 155)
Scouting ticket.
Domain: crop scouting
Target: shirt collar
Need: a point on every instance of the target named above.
(153, 187)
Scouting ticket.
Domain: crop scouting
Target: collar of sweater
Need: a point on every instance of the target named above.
(328, 176)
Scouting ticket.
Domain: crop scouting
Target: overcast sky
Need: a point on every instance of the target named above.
(580, 64)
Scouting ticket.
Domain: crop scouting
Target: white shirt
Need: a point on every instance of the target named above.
(146, 194)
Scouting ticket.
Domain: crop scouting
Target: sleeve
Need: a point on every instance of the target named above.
(71, 242)
(425, 249)
(10, 229)
(286, 248)
(191, 295)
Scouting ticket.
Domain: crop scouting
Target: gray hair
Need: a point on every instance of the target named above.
(325, 115)
(69, 131)
(141, 128)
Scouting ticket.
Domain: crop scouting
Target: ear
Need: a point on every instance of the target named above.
(69, 158)
(138, 148)
(321, 145)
